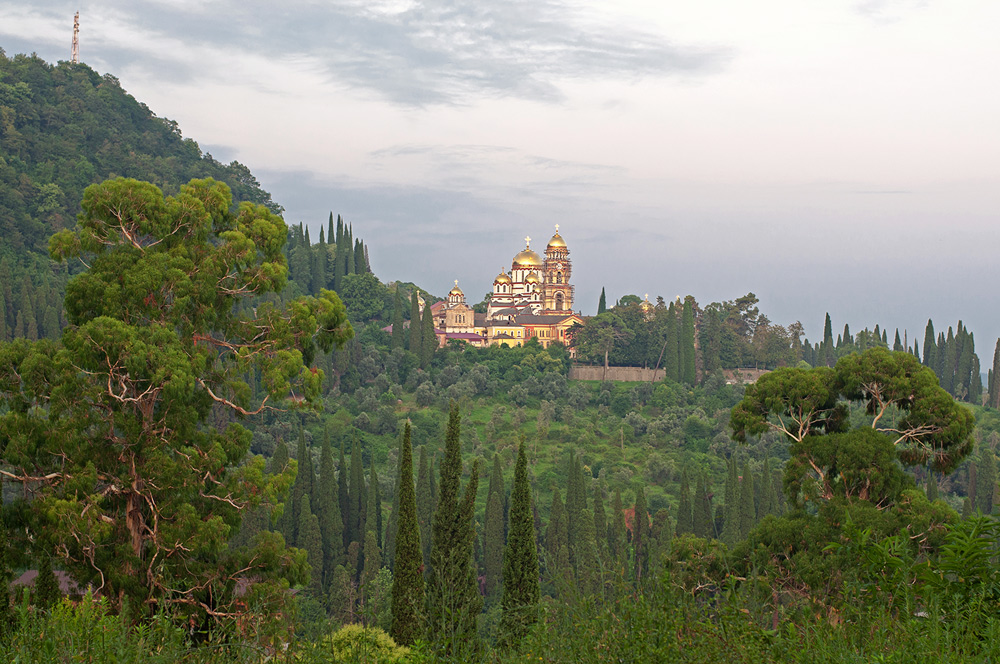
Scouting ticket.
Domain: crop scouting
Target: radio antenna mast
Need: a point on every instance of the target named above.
(75, 55)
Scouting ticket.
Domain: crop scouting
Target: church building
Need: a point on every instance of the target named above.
(534, 299)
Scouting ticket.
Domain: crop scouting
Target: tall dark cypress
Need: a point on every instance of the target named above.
(414, 337)
(453, 601)
(493, 530)
(748, 510)
(685, 512)
(617, 537)
(671, 354)
(640, 536)
(309, 538)
(331, 525)
(519, 605)
(407, 578)
(329, 230)
(600, 522)
(428, 339)
(398, 340)
(993, 387)
(687, 349)
(425, 505)
(602, 304)
(358, 497)
(702, 510)
(730, 524)
(343, 496)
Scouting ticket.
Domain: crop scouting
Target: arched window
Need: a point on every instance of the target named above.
(559, 301)
(559, 277)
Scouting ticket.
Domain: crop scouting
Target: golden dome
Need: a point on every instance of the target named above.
(456, 290)
(557, 242)
(532, 278)
(528, 257)
(502, 278)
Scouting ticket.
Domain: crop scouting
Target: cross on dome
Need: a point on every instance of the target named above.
(456, 283)
(527, 241)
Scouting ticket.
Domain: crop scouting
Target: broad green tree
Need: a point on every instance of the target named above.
(136, 490)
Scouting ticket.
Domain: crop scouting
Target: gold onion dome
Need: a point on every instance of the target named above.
(528, 257)
(557, 242)
(456, 290)
(502, 278)
(532, 278)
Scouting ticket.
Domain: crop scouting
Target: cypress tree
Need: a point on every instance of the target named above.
(748, 510)
(730, 523)
(588, 565)
(640, 535)
(4, 332)
(493, 530)
(848, 339)
(519, 604)
(556, 535)
(685, 514)
(398, 341)
(976, 382)
(372, 565)
(602, 304)
(343, 496)
(301, 487)
(359, 257)
(309, 539)
(897, 343)
(828, 331)
(617, 540)
(331, 526)
(702, 511)
(453, 600)
(373, 511)
(357, 496)
(986, 481)
(948, 363)
(407, 579)
(389, 550)
(929, 340)
(428, 341)
(46, 586)
(671, 356)
(767, 502)
(425, 506)
(687, 367)
(413, 339)
(278, 463)
(600, 522)
(994, 400)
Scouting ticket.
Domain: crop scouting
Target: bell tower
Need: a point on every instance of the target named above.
(557, 293)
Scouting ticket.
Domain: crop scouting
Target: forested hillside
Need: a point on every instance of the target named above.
(225, 411)
(64, 127)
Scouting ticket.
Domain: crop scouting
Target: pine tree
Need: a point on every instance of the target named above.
(398, 340)
(730, 524)
(309, 539)
(493, 531)
(428, 340)
(453, 601)
(407, 579)
(687, 363)
(413, 339)
(640, 536)
(519, 604)
(331, 526)
(685, 514)
(748, 510)
(602, 304)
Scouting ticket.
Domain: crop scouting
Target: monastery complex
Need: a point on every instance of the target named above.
(533, 300)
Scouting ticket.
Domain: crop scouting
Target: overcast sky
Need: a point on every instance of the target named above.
(839, 156)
